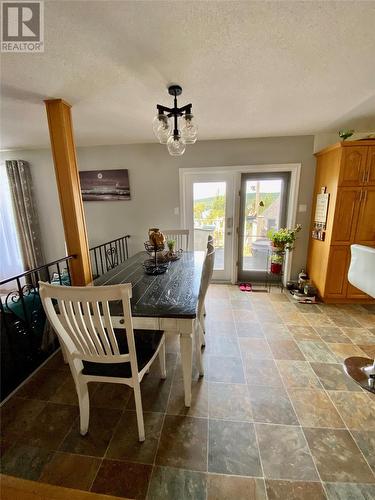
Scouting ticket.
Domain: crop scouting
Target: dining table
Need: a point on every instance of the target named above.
(165, 301)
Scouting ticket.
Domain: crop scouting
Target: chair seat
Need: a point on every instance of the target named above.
(146, 344)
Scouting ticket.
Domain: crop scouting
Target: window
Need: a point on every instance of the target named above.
(11, 262)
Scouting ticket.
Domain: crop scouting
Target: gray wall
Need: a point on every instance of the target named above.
(154, 184)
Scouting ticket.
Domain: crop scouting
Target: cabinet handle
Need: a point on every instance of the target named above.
(363, 177)
(368, 175)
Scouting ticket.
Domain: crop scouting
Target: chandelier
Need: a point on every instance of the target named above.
(166, 122)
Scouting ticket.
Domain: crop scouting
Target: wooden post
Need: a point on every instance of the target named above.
(69, 188)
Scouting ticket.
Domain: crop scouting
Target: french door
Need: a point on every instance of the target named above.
(263, 206)
(209, 210)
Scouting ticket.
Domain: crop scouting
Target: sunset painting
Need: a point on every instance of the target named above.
(98, 185)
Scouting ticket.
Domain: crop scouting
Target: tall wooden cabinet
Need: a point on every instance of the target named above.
(347, 170)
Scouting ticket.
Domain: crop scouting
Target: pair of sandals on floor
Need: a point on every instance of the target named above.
(245, 287)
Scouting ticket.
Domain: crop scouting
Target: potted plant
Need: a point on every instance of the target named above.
(284, 238)
(277, 263)
(171, 246)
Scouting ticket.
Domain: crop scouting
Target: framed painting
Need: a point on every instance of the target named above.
(105, 185)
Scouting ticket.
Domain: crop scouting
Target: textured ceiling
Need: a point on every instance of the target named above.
(251, 69)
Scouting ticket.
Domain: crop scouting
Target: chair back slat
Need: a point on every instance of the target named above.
(83, 321)
(109, 329)
(92, 342)
(181, 237)
(94, 327)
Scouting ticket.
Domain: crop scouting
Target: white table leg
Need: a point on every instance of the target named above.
(186, 346)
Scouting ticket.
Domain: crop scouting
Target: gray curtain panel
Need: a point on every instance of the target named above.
(20, 181)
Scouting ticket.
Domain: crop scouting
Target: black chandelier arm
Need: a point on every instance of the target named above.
(174, 111)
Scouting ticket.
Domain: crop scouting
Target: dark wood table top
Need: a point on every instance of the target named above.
(173, 294)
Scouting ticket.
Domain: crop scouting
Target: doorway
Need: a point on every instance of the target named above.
(213, 201)
(263, 207)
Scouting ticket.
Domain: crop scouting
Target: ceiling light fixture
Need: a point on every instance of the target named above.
(174, 138)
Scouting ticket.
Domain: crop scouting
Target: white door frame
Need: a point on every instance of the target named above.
(236, 171)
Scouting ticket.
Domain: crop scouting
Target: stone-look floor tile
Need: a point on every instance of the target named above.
(284, 453)
(314, 408)
(318, 319)
(279, 297)
(262, 372)
(342, 491)
(183, 443)
(317, 351)
(307, 308)
(43, 384)
(296, 319)
(170, 363)
(343, 351)
(294, 490)
(232, 448)
(199, 399)
(18, 414)
(101, 426)
(286, 349)
(272, 405)
(244, 315)
(369, 350)
(365, 320)
(66, 394)
(255, 348)
(114, 396)
(222, 346)
(303, 332)
(223, 314)
(250, 329)
(169, 484)
(298, 374)
(360, 336)
(332, 334)
(366, 442)
(51, 426)
(215, 327)
(333, 377)
(337, 457)
(241, 304)
(122, 479)
(229, 401)
(225, 369)
(234, 488)
(22, 460)
(270, 316)
(56, 362)
(275, 331)
(70, 471)
(344, 320)
(125, 444)
(356, 408)
(155, 394)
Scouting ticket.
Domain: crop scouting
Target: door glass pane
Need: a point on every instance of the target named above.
(262, 212)
(209, 199)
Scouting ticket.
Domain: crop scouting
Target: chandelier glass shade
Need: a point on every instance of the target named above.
(166, 125)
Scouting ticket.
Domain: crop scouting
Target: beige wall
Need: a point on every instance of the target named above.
(154, 184)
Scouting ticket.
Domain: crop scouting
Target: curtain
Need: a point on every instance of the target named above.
(25, 212)
(11, 261)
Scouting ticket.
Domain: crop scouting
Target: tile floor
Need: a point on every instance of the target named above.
(274, 417)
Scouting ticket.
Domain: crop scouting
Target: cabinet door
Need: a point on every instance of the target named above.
(365, 233)
(346, 214)
(370, 167)
(336, 282)
(353, 166)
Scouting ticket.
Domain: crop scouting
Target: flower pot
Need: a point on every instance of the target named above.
(278, 248)
(276, 267)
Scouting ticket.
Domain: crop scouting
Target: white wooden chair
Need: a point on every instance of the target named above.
(180, 236)
(199, 324)
(97, 352)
